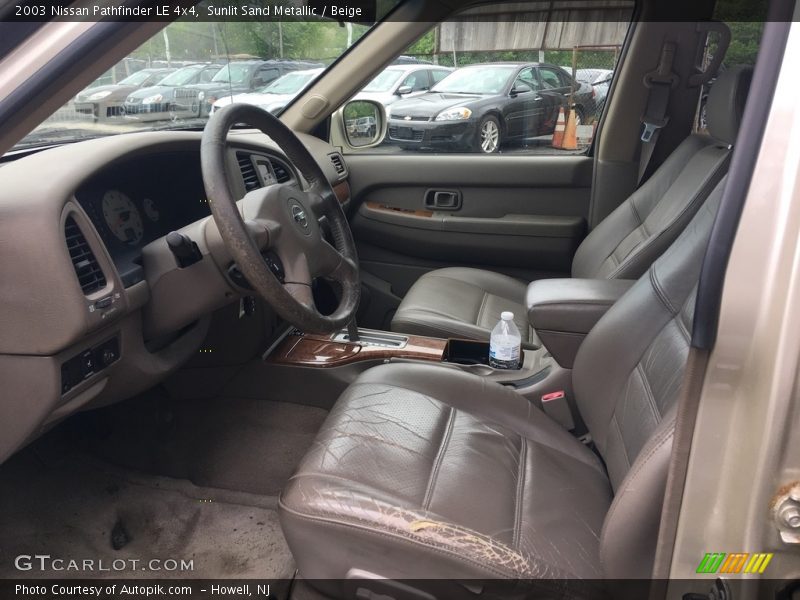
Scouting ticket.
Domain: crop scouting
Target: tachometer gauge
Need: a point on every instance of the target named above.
(150, 209)
(122, 217)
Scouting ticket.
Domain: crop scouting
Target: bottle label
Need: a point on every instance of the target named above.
(504, 357)
(505, 353)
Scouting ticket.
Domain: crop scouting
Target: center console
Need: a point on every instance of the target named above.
(338, 349)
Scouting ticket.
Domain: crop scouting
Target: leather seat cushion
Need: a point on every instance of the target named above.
(462, 302)
(422, 471)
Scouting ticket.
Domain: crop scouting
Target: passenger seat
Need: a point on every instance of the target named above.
(464, 302)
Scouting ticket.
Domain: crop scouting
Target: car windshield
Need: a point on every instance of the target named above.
(384, 81)
(232, 73)
(290, 83)
(137, 78)
(487, 79)
(180, 77)
(270, 55)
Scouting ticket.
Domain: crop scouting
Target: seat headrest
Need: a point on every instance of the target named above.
(726, 102)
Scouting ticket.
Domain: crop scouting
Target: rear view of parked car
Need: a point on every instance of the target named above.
(106, 101)
(480, 107)
(157, 103)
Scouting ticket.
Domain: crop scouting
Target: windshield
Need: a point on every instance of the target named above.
(137, 78)
(489, 79)
(291, 83)
(384, 81)
(269, 55)
(233, 73)
(180, 77)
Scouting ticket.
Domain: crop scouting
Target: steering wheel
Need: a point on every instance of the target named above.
(284, 219)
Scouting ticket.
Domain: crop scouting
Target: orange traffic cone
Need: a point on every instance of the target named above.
(558, 133)
(571, 132)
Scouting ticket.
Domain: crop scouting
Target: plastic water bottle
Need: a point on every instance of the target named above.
(505, 343)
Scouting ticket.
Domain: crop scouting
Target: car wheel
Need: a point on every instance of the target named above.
(488, 138)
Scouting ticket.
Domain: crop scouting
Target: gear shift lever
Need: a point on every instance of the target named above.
(352, 331)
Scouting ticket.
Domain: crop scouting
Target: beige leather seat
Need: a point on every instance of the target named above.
(425, 472)
(464, 302)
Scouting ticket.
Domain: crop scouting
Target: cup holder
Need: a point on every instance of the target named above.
(471, 353)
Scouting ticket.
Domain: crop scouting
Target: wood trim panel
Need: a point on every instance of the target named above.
(396, 209)
(319, 351)
(342, 191)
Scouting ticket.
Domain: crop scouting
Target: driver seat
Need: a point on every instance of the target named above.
(425, 472)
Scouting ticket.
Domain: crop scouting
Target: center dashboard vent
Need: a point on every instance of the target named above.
(250, 175)
(338, 163)
(90, 276)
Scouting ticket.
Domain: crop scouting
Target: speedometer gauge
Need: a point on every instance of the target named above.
(122, 217)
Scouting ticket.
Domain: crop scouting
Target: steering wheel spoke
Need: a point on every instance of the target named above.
(285, 218)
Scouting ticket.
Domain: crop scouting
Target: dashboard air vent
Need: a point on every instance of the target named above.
(90, 276)
(338, 162)
(281, 173)
(251, 181)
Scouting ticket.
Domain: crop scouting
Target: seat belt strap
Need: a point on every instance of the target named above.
(660, 82)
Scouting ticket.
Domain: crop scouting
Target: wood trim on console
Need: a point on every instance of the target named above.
(319, 351)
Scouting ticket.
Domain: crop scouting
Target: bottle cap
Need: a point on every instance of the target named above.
(507, 315)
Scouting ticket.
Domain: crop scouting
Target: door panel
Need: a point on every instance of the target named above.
(520, 215)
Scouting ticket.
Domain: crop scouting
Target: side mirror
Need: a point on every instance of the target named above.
(520, 88)
(359, 124)
(404, 89)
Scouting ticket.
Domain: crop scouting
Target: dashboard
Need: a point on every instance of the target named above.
(97, 308)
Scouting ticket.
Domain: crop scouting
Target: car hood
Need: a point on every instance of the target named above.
(142, 93)
(118, 92)
(431, 104)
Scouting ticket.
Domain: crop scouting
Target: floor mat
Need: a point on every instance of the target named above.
(230, 443)
(70, 505)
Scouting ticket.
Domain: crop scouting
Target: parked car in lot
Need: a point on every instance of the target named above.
(482, 106)
(235, 77)
(105, 101)
(362, 127)
(157, 103)
(276, 95)
(599, 79)
(400, 81)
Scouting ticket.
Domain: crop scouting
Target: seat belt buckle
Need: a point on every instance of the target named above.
(650, 128)
(556, 407)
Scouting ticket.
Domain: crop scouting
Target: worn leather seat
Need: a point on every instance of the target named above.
(465, 302)
(425, 472)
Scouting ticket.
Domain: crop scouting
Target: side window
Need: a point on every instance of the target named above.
(417, 81)
(528, 77)
(438, 74)
(207, 74)
(550, 79)
(265, 75)
(490, 50)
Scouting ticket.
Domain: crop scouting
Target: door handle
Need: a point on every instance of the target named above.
(443, 199)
